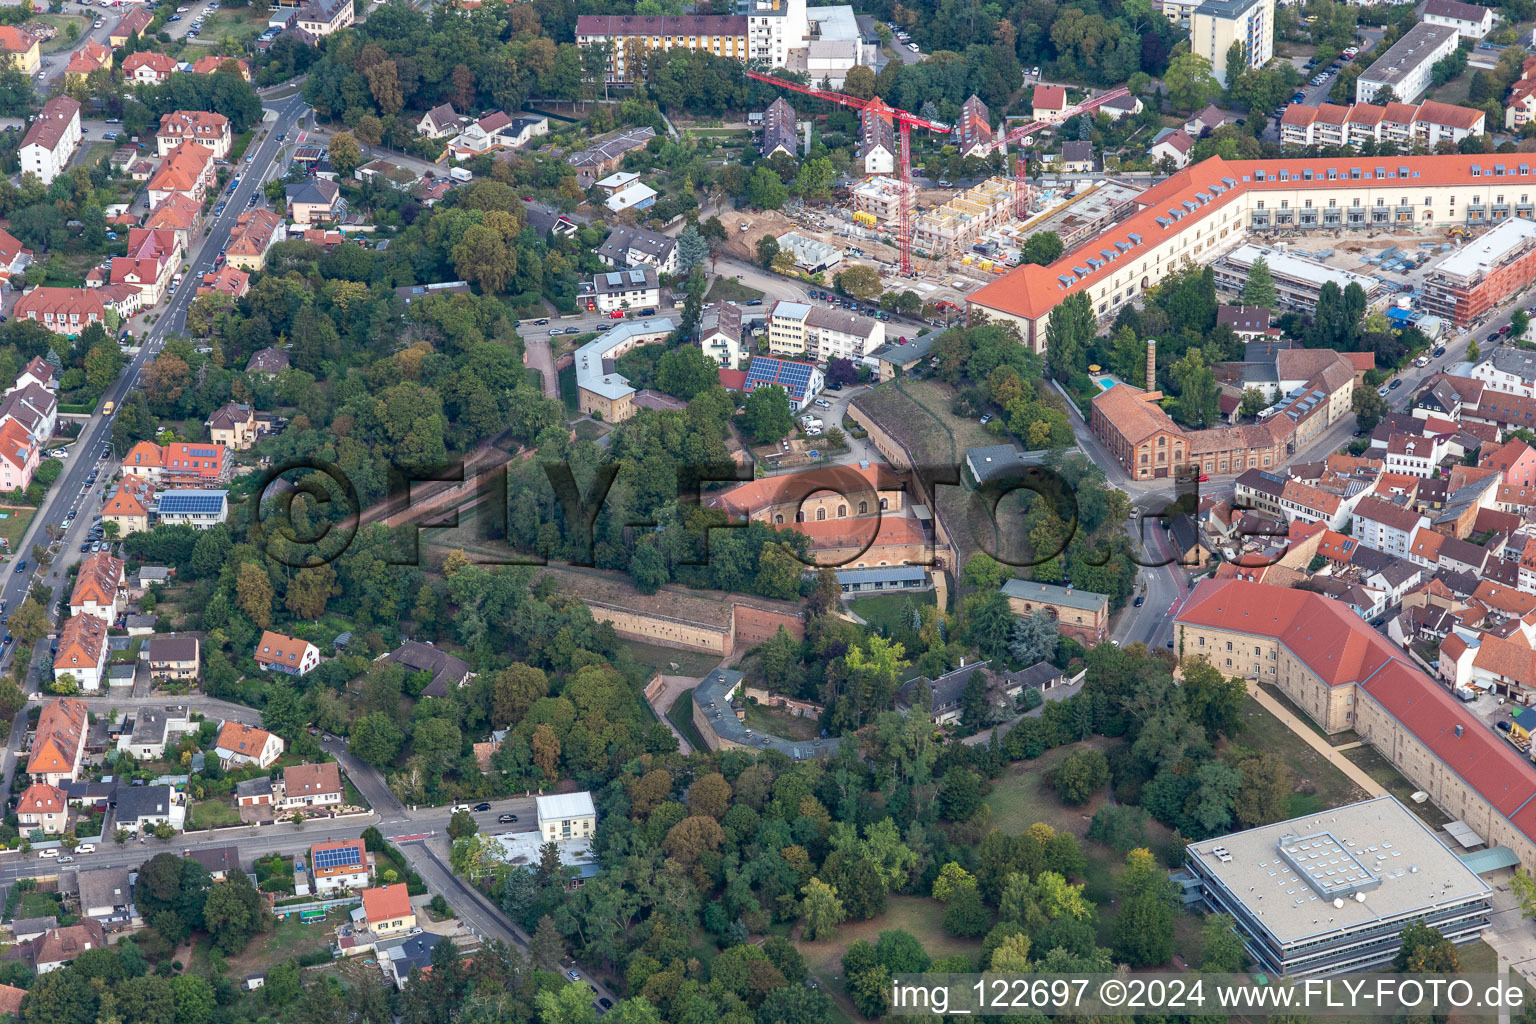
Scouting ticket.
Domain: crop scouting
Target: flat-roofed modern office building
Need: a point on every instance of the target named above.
(1332, 892)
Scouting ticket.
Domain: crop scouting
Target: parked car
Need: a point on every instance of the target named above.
(617, 314)
(1397, 382)
(482, 807)
(1140, 600)
(1439, 350)
(506, 819)
(47, 854)
(21, 566)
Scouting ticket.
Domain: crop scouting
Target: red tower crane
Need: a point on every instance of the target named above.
(904, 122)
(1024, 132)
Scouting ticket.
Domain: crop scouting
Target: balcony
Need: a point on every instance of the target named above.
(1525, 210)
(1380, 216)
(1285, 218)
(1309, 218)
(1260, 219)
(1356, 217)
(1332, 218)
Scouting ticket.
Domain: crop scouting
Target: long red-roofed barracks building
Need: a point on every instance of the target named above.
(1345, 675)
(1204, 210)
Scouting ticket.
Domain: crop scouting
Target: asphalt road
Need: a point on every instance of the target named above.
(53, 64)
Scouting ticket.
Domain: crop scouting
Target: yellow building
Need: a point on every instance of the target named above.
(629, 37)
(1217, 24)
(22, 48)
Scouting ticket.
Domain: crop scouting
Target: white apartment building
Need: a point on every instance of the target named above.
(1403, 124)
(1509, 371)
(51, 141)
(620, 290)
(1469, 20)
(818, 333)
(1414, 456)
(1386, 527)
(1217, 24)
(566, 816)
(1405, 68)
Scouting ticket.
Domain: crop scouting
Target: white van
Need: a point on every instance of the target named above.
(459, 807)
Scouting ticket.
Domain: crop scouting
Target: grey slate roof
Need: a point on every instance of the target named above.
(1070, 597)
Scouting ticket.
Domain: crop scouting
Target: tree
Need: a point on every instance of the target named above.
(1043, 248)
(1253, 402)
(1033, 639)
(822, 910)
(462, 825)
(29, 622)
(376, 739)
(692, 250)
(1369, 407)
(767, 249)
(233, 913)
(710, 795)
(1143, 930)
(483, 256)
(1265, 792)
(346, 154)
(1191, 85)
(767, 417)
(860, 282)
(1080, 776)
(1221, 948)
(1519, 323)
(1198, 395)
(959, 794)
(983, 572)
(1523, 885)
(1068, 335)
(1259, 288)
(253, 594)
(1426, 951)
(547, 946)
(765, 189)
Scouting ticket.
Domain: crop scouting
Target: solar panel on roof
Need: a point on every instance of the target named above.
(346, 856)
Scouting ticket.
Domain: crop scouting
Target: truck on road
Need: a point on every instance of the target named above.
(107, 408)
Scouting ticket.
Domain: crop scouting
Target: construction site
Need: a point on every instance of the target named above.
(944, 243)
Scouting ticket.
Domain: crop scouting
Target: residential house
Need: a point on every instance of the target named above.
(200, 509)
(86, 61)
(278, 653)
(720, 334)
(625, 191)
(58, 947)
(319, 18)
(22, 48)
(779, 130)
(620, 290)
(340, 866)
(44, 808)
(387, 910)
(1048, 100)
(448, 672)
(268, 362)
(98, 587)
(1469, 20)
(1385, 526)
(141, 808)
(187, 170)
(52, 139)
(1209, 119)
(153, 731)
(14, 257)
(219, 860)
(233, 425)
(25, 929)
(496, 131)
(1077, 158)
(309, 787)
(240, 744)
(635, 247)
(129, 506)
(35, 408)
(133, 23)
(255, 232)
(314, 200)
(179, 215)
(147, 68)
(206, 129)
(10, 1000)
(58, 744)
(976, 137)
(178, 463)
(82, 651)
(173, 658)
(401, 956)
(66, 311)
(396, 177)
(439, 122)
(228, 65)
(876, 153)
(1172, 144)
(1250, 323)
(37, 372)
(604, 155)
(226, 280)
(566, 816)
(19, 457)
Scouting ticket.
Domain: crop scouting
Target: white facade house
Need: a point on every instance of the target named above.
(618, 290)
(1415, 456)
(566, 816)
(1386, 527)
(1405, 69)
(51, 141)
(799, 328)
(1509, 371)
(1470, 21)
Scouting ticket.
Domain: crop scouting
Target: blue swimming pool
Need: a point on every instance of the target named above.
(1105, 383)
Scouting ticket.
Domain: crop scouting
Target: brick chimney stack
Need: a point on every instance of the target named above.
(1152, 364)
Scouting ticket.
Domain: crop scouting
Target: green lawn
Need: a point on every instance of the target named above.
(1319, 785)
(923, 918)
(15, 523)
(62, 41)
(1370, 761)
(239, 23)
(238, 149)
(680, 714)
(884, 611)
(728, 289)
(212, 813)
(38, 904)
(590, 430)
(689, 663)
(288, 940)
(778, 722)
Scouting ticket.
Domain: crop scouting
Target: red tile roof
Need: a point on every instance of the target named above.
(1049, 98)
(387, 902)
(60, 728)
(41, 798)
